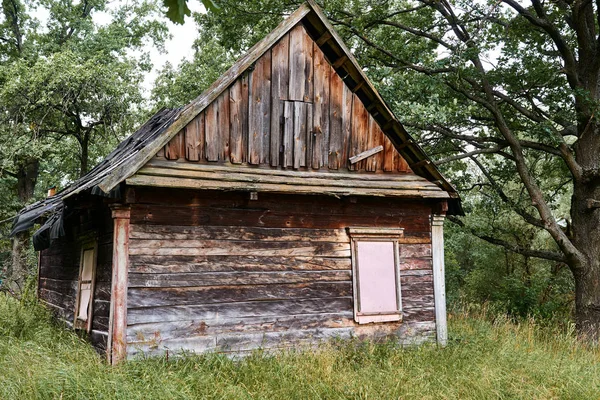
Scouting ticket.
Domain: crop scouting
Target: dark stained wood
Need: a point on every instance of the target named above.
(211, 132)
(336, 134)
(301, 65)
(179, 264)
(279, 93)
(259, 113)
(158, 297)
(320, 126)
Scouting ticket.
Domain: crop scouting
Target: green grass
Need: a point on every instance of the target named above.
(484, 360)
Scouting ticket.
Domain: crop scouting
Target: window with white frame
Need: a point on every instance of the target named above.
(85, 287)
(376, 274)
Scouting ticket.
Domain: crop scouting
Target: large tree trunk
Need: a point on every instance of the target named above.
(27, 176)
(585, 216)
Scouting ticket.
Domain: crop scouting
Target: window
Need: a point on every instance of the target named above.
(376, 273)
(85, 287)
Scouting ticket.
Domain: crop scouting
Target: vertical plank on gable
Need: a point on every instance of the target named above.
(173, 148)
(245, 109)
(335, 121)
(236, 118)
(224, 128)
(300, 128)
(193, 140)
(301, 65)
(402, 164)
(320, 126)
(347, 104)
(279, 92)
(288, 134)
(389, 154)
(374, 162)
(359, 132)
(259, 111)
(211, 131)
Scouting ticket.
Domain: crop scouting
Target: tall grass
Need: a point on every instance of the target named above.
(486, 358)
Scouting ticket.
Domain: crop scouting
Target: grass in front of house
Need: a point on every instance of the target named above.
(484, 359)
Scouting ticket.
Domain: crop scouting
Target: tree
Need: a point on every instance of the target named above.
(69, 89)
(508, 89)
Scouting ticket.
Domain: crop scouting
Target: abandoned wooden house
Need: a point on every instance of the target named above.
(284, 206)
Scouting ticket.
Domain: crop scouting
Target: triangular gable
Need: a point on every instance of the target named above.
(342, 62)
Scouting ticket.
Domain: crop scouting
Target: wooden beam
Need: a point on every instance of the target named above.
(324, 38)
(117, 335)
(439, 288)
(365, 154)
(419, 164)
(340, 61)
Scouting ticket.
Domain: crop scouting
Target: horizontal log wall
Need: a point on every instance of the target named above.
(59, 271)
(291, 110)
(214, 271)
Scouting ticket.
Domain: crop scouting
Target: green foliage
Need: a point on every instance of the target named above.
(488, 357)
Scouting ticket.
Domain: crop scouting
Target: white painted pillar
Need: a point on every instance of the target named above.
(439, 285)
(117, 332)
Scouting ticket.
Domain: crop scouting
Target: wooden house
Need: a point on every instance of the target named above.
(284, 206)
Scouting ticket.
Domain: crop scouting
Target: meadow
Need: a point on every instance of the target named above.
(487, 357)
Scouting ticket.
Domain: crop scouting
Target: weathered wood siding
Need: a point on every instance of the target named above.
(59, 271)
(216, 271)
(291, 109)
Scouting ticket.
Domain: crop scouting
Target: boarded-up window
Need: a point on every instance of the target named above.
(375, 264)
(85, 287)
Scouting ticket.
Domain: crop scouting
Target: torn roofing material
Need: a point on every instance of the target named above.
(53, 208)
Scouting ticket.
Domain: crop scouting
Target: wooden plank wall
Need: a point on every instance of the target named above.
(59, 272)
(289, 110)
(216, 271)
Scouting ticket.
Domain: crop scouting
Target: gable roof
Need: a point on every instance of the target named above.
(134, 152)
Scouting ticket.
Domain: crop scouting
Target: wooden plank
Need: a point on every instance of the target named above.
(320, 126)
(242, 169)
(238, 309)
(402, 164)
(192, 142)
(415, 250)
(182, 264)
(288, 134)
(365, 154)
(117, 344)
(159, 297)
(389, 154)
(211, 132)
(359, 131)
(300, 133)
(245, 233)
(375, 140)
(241, 248)
(335, 160)
(224, 126)
(301, 65)
(173, 148)
(347, 105)
(236, 175)
(279, 93)
(239, 120)
(259, 113)
(235, 278)
(271, 323)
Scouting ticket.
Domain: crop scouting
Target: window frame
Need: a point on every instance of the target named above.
(77, 323)
(392, 235)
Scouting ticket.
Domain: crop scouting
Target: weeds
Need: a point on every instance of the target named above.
(488, 356)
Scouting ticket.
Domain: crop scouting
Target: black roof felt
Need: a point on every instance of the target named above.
(52, 208)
